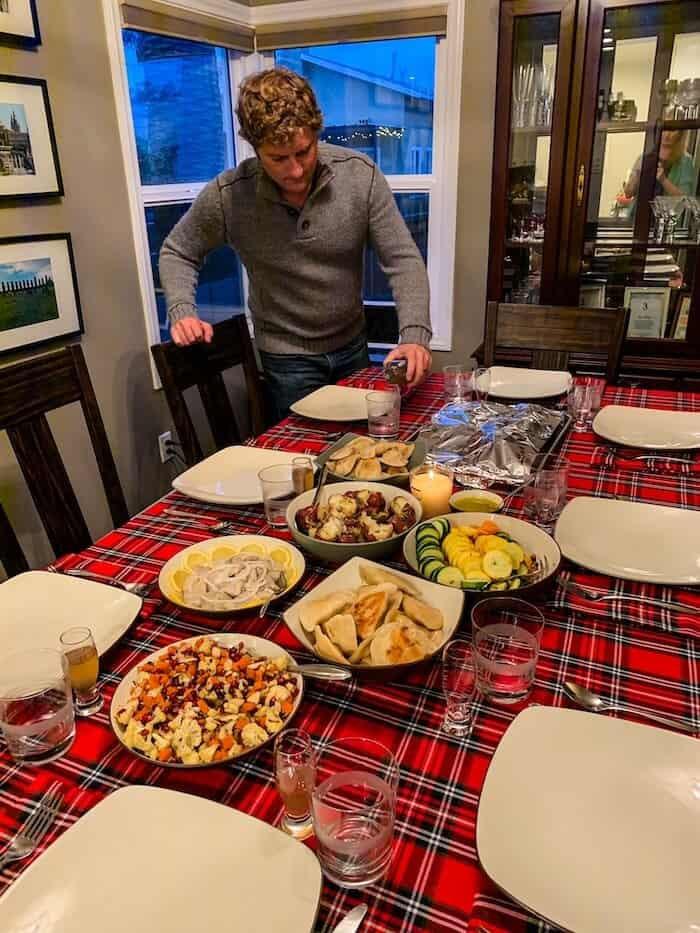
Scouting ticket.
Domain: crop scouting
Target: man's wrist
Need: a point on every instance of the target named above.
(180, 311)
(416, 333)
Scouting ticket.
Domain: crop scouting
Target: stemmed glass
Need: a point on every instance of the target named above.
(458, 685)
(580, 405)
(295, 774)
(83, 663)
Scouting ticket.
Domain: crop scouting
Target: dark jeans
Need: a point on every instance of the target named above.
(291, 376)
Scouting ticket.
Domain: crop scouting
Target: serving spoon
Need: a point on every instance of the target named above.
(594, 703)
(321, 671)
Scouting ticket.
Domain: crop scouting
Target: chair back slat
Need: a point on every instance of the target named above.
(11, 554)
(219, 411)
(550, 359)
(36, 386)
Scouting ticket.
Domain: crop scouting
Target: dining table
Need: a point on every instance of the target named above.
(639, 654)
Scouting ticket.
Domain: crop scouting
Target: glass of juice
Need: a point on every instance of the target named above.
(295, 774)
(83, 665)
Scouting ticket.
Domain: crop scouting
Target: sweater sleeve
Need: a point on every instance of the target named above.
(401, 262)
(197, 233)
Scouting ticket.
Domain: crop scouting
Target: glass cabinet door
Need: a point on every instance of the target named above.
(641, 239)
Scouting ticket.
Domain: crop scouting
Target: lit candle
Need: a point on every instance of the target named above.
(431, 484)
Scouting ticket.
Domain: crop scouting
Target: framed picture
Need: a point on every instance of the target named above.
(648, 311)
(28, 157)
(592, 295)
(680, 328)
(19, 24)
(38, 291)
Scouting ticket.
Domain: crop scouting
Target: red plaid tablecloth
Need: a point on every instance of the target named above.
(435, 883)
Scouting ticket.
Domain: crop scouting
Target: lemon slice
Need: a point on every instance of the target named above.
(178, 578)
(223, 553)
(195, 559)
(282, 556)
(254, 548)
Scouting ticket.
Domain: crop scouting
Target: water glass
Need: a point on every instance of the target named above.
(597, 390)
(353, 807)
(457, 381)
(482, 383)
(545, 496)
(36, 706)
(83, 667)
(458, 685)
(278, 490)
(580, 403)
(384, 413)
(295, 774)
(506, 634)
(302, 474)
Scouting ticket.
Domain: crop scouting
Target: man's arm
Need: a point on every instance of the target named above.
(201, 230)
(403, 265)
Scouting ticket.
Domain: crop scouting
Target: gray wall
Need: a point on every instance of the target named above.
(73, 59)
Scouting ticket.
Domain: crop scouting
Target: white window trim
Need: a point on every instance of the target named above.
(442, 184)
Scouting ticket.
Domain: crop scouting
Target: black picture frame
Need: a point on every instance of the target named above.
(62, 290)
(23, 40)
(48, 148)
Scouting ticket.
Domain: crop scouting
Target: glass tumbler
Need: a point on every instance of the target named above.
(545, 496)
(278, 490)
(458, 685)
(597, 390)
(506, 634)
(457, 381)
(384, 413)
(83, 667)
(353, 807)
(36, 705)
(580, 405)
(295, 774)
(482, 383)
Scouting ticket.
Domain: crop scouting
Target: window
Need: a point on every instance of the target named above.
(182, 119)
(377, 98)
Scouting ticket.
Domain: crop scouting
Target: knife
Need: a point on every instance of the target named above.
(351, 922)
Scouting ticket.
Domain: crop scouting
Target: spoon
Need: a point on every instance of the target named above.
(596, 704)
(321, 671)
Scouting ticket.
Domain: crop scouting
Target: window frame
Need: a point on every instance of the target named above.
(440, 185)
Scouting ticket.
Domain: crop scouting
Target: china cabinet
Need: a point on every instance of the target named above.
(596, 160)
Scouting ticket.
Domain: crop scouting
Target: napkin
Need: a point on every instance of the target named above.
(624, 459)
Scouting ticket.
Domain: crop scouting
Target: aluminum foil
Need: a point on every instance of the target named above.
(488, 443)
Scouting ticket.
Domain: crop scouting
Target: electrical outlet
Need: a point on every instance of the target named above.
(163, 441)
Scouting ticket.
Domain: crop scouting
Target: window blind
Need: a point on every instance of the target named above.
(167, 20)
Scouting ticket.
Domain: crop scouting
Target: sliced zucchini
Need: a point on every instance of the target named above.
(514, 584)
(450, 576)
(431, 553)
(477, 576)
(497, 565)
(442, 525)
(474, 585)
(503, 585)
(431, 568)
(427, 533)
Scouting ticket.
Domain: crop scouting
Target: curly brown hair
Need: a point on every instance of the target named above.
(274, 105)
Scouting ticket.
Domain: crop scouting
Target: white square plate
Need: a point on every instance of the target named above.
(593, 822)
(35, 607)
(651, 428)
(631, 540)
(147, 859)
(519, 383)
(230, 476)
(333, 403)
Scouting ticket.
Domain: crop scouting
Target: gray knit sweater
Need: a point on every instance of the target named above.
(304, 266)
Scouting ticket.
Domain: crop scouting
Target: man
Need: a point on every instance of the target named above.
(299, 215)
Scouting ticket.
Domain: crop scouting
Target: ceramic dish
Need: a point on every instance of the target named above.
(334, 551)
(450, 602)
(260, 647)
(35, 607)
(293, 560)
(126, 888)
(514, 382)
(333, 403)
(649, 428)
(399, 479)
(598, 833)
(230, 476)
(632, 540)
(531, 539)
(476, 500)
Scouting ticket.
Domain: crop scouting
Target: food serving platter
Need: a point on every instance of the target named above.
(632, 540)
(400, 479)
(514, 382)
(35, 607)
(173, 571)
(609, 811)
(333, 403)
(649, 428)
(137, 861)
(230, 476)
(259, 647)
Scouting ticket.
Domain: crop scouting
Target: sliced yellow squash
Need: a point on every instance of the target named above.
(497, 564)
(477, 576)
(515, 552)
(487, 543)
(468, 561)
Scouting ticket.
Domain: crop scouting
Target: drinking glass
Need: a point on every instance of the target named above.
(580, 404)
(302, 474)
(83, 667)
(545, 496)
(458, 382)
(482, 383)
(384, 413)
(458, 685)
(278, 490)
(36, 706)
(353, 806)
(597, 390)
(295, 774)
(506, 633)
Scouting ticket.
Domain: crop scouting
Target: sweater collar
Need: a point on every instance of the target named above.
(267, 189)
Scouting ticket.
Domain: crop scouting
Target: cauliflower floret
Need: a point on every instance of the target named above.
(374, 531)
(207, 753)
(331, 530)
(398, 504)
(233, 705)
(187, 737)
(277, 693)
(254, 697)
(342, 506)
(253, 735)
(124, 715)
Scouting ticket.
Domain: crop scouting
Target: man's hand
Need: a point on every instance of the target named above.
(189, 330)
(418, 360)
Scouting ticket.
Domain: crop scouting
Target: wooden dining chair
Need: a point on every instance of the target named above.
(28, 390)
(202, 364)
(552, 334)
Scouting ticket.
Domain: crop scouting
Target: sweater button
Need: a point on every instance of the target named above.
(291, 212)
(305, 224)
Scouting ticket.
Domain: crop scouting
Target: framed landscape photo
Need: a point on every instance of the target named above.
(38, 291)
(648, 311)
(19, 24)
(28, 157)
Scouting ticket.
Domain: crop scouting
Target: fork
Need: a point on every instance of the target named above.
(222, 527)
(596, 596)
(35, 827)
(138, 589)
